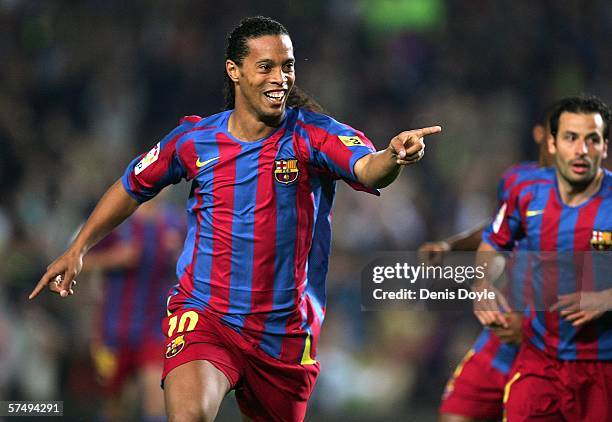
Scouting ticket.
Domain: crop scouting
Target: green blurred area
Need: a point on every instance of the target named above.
(395, 15)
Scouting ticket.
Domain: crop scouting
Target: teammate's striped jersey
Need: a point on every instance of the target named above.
(512, 176)
(259, 221)
(501, 355)
(134, 298)
(534, 212)
(517, 265)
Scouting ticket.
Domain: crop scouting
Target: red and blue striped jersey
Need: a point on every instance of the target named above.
(514, 175)
(259, 221)
(499, 355)
(134, 298)
(517, 266)
(502, 354)
(535, 213)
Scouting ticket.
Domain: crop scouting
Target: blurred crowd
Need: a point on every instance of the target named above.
(86, 85)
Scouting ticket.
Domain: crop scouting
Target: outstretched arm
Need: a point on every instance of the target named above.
(379, 169)
(433, 252)
(115, 206)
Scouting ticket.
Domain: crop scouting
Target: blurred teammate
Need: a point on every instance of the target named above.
(251, 295)
(137, 260)
(563, 370)
(475, 390)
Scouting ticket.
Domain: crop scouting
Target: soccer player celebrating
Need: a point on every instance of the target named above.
(250, 301)
(563, 370)
(475, 390)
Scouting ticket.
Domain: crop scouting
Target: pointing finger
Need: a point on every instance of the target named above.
(41, 284)
(427, 131)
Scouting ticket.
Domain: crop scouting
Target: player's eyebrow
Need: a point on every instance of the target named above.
(569, 132)
(270, 61)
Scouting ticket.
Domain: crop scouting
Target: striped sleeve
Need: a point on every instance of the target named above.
(506, 227)
(150, 172)
(336, 148)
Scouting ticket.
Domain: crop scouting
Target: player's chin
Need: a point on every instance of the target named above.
(581, 179)
(272, 115)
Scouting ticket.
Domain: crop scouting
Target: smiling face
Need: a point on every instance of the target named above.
(579, 147)
(264, 79)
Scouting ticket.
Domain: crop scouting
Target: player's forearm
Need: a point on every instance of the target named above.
(484, 255)
(114, 207)
(377, 170)
(466, 241)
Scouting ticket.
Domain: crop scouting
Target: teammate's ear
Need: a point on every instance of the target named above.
(232, 70)
(552, 147)
(605, 149)
(538, 132)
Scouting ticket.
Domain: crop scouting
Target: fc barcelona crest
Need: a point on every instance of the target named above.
(601, 240)
(286, 171)
(174, 347)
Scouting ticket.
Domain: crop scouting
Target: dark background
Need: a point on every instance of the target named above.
(86, 85)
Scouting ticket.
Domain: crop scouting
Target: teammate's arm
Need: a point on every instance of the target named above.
(582, 307)
(121, 256)
(489, 312)
(114, 207)
(379, 169)
(469, 240)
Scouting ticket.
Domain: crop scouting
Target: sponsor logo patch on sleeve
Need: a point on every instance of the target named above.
(147, 160)
(351, 141)
(499, 219)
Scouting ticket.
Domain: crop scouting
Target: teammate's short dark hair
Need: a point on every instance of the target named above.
(581, 104)
(237, 49)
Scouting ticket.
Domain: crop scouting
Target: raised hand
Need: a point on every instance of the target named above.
(408, 147)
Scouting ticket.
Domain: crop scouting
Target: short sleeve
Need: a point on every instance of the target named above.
(336, 149)
(150, 172)
(506, 227)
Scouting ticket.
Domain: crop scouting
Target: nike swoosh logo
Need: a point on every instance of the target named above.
(533, 213)
(203, 163)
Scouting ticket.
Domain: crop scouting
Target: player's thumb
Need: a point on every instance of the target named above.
(398, 147)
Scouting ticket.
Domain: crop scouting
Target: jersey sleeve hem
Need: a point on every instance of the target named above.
(356, 184)
(487, 239)
(134, 195)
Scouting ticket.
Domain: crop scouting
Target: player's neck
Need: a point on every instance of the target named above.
(574, 195)
(247, 127)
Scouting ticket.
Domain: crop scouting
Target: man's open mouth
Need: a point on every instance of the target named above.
(580, 167)
(275, 97)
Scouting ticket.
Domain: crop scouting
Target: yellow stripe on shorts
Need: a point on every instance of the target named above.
(507, 393)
